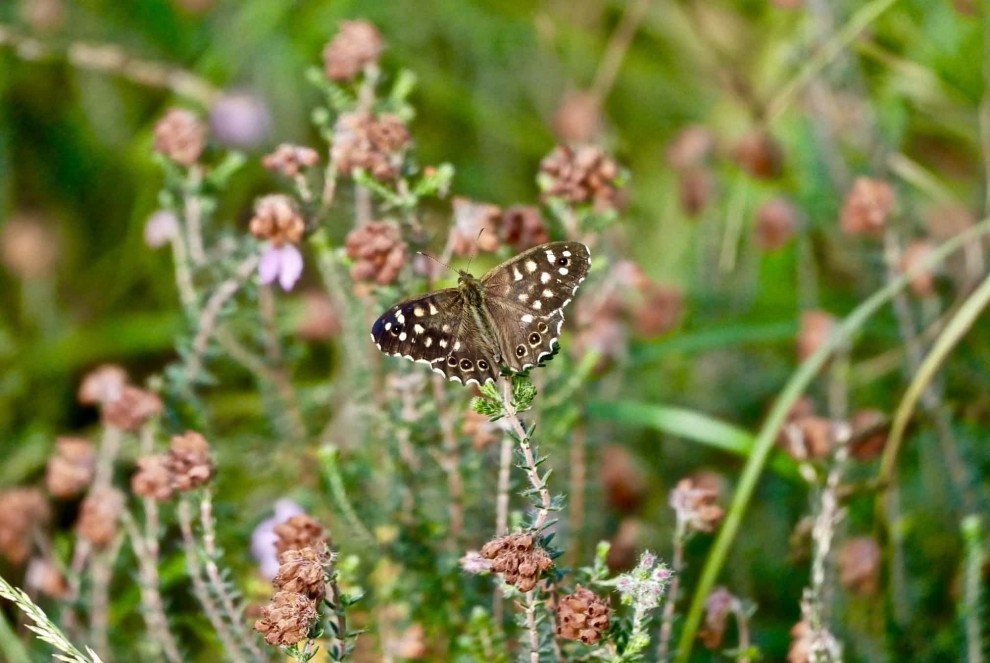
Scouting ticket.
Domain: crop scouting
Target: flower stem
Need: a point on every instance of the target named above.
(532, 472)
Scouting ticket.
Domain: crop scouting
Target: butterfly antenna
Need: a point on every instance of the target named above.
(474, 252)
(436, 260)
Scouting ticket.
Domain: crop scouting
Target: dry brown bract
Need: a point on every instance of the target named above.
(44, 576)
(180, 136)
(357, 45)
(759, 155)
(304, 571)
(290, 160)
(21, 510)
(695, 506)
(378, 252)
(98, 516)
(523, 227)
(189, 461)
(300, 532)
(582, 616)
(375, 145)
(808, 437)
(718, 607)
(581, 174)
(277, 219)
(776, 222)
(518, 559)
(132, 409)
(152, 478)
(867, 207)
(287, 620)
(102, 385)
(72, 467)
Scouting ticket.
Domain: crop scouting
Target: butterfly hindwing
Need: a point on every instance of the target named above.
(526, 296)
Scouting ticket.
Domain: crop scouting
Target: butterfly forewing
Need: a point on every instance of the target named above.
(526, 295)
(511, 317)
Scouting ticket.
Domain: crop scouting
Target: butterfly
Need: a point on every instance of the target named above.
(510, 317)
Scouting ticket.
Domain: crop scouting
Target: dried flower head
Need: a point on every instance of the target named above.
(691, 147)
(181, 136)
(98, 516)
(695, 189)
(290, 160)
(867, 207)
(44, 576)
(240, 120)
(582, 615)
(695, 507)
(288, 619)
(808, 437)
(816, 327)
(102, 385)
(277, 219)
(152, 478)
(581, 174)
(518, 558)
(759, 155)
(523, 227)
(776, 223)
(189, 461)
(21, 511)
(132, 409)
(659, 310)
(300, 531)
(304, 571)
(475, 227)
(923, 283)
(859, 566)
(644, 586)
(578, 118)
(357, 45)
(378, 252)
(71, 469)
(264, 539)
(622, 478)
(719, 605)
(375, 145)
(28, 247)
(869, 434)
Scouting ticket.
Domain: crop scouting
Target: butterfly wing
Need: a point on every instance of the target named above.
(438, 329)
(526, 295)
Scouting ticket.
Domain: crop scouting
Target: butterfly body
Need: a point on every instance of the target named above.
(511, 317)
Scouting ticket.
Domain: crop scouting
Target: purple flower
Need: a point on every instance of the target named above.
(263, 539)
(284, 263)
(240, 119)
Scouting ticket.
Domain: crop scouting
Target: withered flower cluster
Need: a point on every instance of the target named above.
(378, 251)
(277, 219)
(580, 175)
(121, 404)
(99, 514)
(186, 466)
(582, 616)
(181, 136)
(357, 45)
(867, 207)
(290, 160)
(519, 226)
(71, 469)
(302, 582)
(21, 511)
(374, 144)
(518, 558)
(695, 506)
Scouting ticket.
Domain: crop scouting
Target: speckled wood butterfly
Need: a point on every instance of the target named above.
(510, 317)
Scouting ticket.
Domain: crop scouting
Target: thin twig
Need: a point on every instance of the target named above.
(670, 604)
(534, 632)
(616, 49)
(576, 493)
(193, 216)
(101, 574)
(532, 471)
(280, 376)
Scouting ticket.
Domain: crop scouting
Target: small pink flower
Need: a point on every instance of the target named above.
(284, 263)
(263, 539)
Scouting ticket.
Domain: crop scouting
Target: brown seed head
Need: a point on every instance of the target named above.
(475, 227)
(21, 511)
(776, 223)
(759, 155)
(581, 174)
(578, 119)
(304, 571)
(695, 189)
(180, 136)
(287, 620)
(582, 615)
(153, 478)
(132, 409)
(859, 566)
(816, 327)
(695, 507)
(357, 45)
(867, 207)
(718, 607)
(102, 385)
(523, 227)
(189, 461)
(518, 559)
(290, 160)
(98, 516)
(44, 576)
(300, 532)
(277, 219)
(378, 252)
(72, 467)
(923, 284)
(376, 145)
(28, 247)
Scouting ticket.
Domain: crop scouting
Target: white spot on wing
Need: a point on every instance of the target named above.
(548, 293)
(527, 318)
(418, 328)
(523, 296)
(562, 271)
(429, 341)
(402, 336)
(537, 304)
(419, 311)
(516, 274)
(530, 266)
(551, 257)
(433, 309)
(545, 277)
